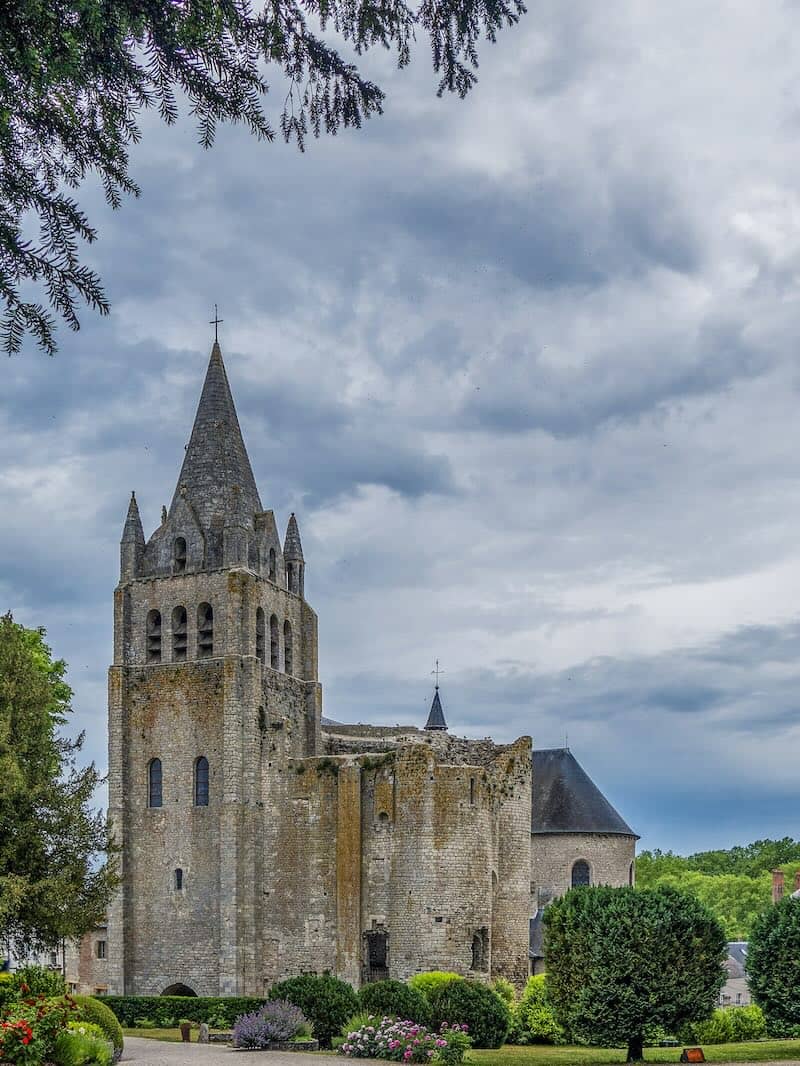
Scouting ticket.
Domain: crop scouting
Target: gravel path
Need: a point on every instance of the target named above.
(162, 1053)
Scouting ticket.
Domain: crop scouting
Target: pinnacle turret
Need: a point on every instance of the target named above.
(216, 478)
(292, 548)
(132, 543)
(293, 557)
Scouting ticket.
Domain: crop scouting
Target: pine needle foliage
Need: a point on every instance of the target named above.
(75, 75)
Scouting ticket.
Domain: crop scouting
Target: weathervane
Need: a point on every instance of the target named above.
(436, 671)
(215, 321)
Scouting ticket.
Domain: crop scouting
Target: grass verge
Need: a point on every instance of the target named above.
(759, 1051)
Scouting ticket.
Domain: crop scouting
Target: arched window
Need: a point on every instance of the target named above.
(179, 555)
(179, 634)
(260, 633)
(274, 647)
(179, 879)
(201, 782)
(205, 631)
(581, 874)
(154, 636)
(273, 567)
(287, 646)
(290, 579)
(154, 783)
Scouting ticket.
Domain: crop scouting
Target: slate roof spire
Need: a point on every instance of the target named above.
(216, 477)
(566, 800)
(436, 715)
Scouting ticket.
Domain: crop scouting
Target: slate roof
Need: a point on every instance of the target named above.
(536, 937)
(436, 715)
(566, 800)
(216, 475)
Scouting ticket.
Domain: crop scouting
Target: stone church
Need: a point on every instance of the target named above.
(261, 840)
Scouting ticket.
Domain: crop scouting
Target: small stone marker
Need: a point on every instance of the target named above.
(203, 1035)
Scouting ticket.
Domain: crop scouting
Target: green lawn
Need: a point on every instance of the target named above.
(541, 1055)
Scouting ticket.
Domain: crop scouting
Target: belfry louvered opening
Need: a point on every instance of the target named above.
(180, 634)
(205, 631)
(154, 636)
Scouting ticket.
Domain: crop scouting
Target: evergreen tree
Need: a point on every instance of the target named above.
(51, 882)
(773, 966)
(620, 961)
(76, 74)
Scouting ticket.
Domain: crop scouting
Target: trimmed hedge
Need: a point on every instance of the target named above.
(326, 1001)
(431, 980)
(396, 999)
(167, 1011)
(479, 1008)
(92, 1010)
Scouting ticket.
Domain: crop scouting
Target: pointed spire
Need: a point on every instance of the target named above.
(216, 476)
(132, 531)
(131, 548)
(436, 716)
(292, 548)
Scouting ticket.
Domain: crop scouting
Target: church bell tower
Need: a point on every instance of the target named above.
(214, 678)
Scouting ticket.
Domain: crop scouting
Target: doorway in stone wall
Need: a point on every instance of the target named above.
(376, 955)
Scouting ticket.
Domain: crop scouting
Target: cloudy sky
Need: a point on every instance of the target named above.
(526, 368)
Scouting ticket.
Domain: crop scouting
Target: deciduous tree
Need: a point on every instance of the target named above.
(54, 880)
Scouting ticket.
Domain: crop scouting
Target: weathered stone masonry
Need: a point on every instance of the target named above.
(365, 851)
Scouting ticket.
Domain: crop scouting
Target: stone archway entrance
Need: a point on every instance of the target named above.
(178, 989)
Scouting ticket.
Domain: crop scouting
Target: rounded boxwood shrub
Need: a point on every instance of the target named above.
(479, 1008)
(428, 982)
(326, 1001)
(396, 999)
(92, 1010)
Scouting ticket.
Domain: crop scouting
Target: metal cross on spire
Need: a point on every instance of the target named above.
(436, 671)
(215, 321)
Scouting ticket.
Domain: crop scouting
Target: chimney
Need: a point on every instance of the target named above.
(777, 885)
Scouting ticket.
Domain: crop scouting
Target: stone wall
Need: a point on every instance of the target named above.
(610, 858)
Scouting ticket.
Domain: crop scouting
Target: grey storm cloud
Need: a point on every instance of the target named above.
(525, 367)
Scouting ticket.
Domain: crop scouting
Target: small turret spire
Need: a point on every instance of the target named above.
(436, 716)
(293, 557)
(132, 543)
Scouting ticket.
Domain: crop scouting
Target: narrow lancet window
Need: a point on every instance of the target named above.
(154, 783)
(290, 578)
(260, 634)
(205, 631)
(581, 874)
(288, 661)
(273, 568)
(154, 637)
(179, 555)
(179, 879)
(274, 643)
(179, 634)
(201, 782)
